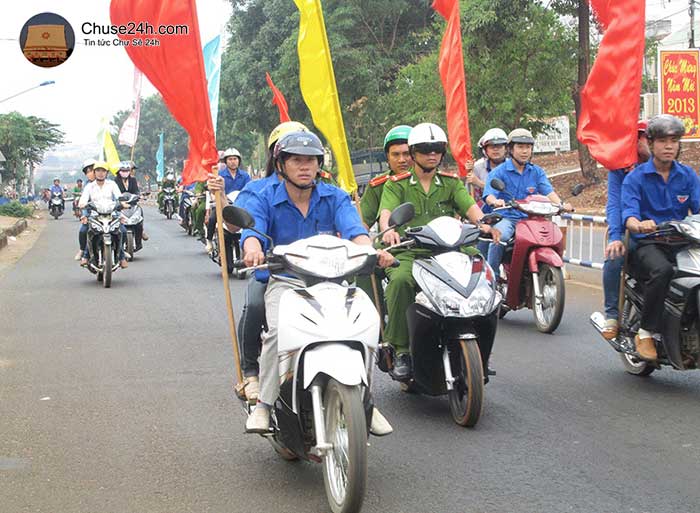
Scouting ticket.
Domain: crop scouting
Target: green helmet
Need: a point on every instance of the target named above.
(397, 135)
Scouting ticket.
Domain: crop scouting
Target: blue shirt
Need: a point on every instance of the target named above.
(533, 180)
(613, 209)
(56, 188)
(234, 184)
(330, 211)
(645, 195)
(254, 187)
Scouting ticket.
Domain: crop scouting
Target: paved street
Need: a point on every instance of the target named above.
(120, 400)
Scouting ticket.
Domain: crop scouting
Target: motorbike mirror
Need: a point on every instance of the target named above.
(577, 189)
(498, 184)
(402, 214)
(238, 216)
(491, 218)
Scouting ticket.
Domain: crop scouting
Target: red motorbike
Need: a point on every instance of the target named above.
(531, 270)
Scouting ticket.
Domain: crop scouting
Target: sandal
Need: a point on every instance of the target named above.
(610, 330)
(248, 389)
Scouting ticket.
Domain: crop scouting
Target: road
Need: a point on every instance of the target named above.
(120, 400)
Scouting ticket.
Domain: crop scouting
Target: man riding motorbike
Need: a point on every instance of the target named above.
(492, 146)
(128, 183)
(661, 189)
(433, 193)
(102, 188)
(57, 189)
(522, 178)
(288, 211)
(615, 250)
(89, 173)
(168, 181)
(235, 178)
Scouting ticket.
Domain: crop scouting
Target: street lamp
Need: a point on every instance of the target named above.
(45, 83)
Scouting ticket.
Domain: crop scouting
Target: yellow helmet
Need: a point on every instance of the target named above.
(285, 128)
(101, 165)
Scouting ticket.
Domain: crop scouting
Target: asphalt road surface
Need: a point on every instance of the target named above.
(120, 400)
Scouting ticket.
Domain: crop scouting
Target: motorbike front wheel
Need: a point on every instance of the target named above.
(107, 266)
(169, 211)
(467, 394)
(550, 310)
(345, 465)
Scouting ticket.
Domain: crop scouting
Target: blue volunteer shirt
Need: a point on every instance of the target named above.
(56, 188)
(330, 211)
(234, 184)
(254, 187)
(613, 208)
(646, 196)
(533, 180)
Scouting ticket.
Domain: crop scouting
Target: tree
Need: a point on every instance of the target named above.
(155, 118)
(24, 141)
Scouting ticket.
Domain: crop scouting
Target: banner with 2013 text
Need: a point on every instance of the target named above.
(679, 94)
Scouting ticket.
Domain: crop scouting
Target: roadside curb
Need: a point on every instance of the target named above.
(12, 231)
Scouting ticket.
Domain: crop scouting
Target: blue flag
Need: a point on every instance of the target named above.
(212, 66)
(160, 166)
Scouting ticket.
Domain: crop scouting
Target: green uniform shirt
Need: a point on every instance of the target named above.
(447, 196)
(369, 203)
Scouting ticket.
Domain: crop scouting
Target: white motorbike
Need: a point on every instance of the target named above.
(56, 205)
(328, 337)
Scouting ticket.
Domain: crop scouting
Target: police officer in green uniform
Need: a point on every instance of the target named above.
(399, 160)
(168, 181)
(198, 215)
(433, 193)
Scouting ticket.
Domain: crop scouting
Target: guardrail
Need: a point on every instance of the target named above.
(575, 237)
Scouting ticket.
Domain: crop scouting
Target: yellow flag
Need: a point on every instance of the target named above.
(111, 155)
(317, 84)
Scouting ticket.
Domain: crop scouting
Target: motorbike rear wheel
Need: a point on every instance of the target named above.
(107, 266)
(345, 465)
(635, 366)
(548, 315)
(467, 394)
(130, 244)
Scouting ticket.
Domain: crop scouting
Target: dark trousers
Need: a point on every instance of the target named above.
(251, 325)
(654, 265)
(211, 224)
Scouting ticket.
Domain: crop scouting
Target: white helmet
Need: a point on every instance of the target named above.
(493, 136)
(426, 133)
(230, 152)
(88, 163)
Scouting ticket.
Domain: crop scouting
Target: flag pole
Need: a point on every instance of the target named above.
(219, 197)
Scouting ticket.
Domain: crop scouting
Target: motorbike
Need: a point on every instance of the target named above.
(679, 346)
(56, 205)
(104, 238)
(328, 336)
(169, 196)
(531, 274)
(454, 313)
(133, 217)
(233, 250)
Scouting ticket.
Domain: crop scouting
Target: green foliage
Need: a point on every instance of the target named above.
(15, 209)
(23, 142)
(155, 118)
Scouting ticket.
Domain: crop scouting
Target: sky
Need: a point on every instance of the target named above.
(95, 82)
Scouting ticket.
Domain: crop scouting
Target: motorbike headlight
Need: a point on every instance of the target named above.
(327, 262)
(443, 299)
(95, 225)
(135, 219)
(539, 208)
(114, 225)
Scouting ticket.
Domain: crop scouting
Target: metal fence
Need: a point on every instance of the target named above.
(581, 232)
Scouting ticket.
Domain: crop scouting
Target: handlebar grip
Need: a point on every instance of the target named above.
(238, 264)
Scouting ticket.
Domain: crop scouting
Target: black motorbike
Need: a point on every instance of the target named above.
(679, 346)
(169, 197)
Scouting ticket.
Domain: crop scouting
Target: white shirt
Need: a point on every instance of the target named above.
(93, 192)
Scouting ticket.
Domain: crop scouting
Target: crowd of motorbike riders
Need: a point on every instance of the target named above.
(297, 199)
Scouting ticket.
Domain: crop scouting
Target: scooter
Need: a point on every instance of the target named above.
(328, 336)
(679, 346)
(133, 217)
(531, 274)
(104, 238)
(233, 249)
(56, 205)
(454, 314)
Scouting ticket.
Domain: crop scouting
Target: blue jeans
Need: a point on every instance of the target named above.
(507, 228)
(612, 269)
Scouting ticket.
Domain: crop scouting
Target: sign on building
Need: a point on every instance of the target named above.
(555, 138)
(46, 44)
(678, 88)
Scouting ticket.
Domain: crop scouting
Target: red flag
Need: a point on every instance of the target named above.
(454, 83)
(278, 99)
(607, 123)
(176, 69)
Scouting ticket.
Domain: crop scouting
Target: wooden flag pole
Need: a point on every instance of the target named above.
(220, 202)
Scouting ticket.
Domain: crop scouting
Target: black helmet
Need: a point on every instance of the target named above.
(665, 125)
(299, 143)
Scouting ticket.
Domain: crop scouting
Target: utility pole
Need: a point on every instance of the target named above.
(588, 165)
(691, 13)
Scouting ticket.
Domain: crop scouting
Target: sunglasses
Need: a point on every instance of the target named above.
(426, 148)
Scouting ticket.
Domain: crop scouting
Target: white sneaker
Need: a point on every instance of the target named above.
(379, 426)
(258, 421)
(210, 247)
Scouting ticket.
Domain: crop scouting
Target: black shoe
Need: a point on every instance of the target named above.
(402, 367)
(138, 247)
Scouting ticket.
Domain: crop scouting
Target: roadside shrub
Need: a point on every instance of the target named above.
(15, 209)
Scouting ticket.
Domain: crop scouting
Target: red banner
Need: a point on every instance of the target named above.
(278, 99)
(678, 88)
